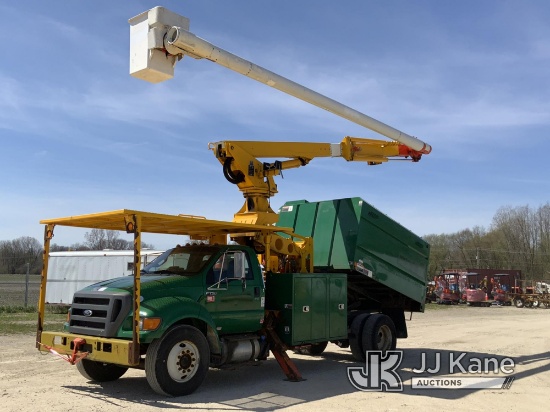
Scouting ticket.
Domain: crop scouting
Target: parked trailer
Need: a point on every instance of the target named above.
(73, 270)
(514, 274)
(531, 294)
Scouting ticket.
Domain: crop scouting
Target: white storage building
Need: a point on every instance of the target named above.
(69, 272)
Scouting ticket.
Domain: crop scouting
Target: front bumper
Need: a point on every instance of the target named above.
(107, 350)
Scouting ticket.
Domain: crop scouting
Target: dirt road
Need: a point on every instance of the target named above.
(30, 381)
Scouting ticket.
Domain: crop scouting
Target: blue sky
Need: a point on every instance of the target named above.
(80, 135)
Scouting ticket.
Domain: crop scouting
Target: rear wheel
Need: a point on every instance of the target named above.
(379, 334)
(177, 363)
(99, 371)
(355, 337)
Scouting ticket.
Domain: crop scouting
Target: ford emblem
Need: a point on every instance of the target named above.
(87, 312)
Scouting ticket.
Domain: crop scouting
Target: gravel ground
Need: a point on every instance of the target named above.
(31, 381)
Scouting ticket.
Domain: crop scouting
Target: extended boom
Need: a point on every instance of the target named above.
(242, 166)
(159, 38)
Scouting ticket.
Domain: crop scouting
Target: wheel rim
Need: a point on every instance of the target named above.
(183, 361)
(384, 338)
(519, 303)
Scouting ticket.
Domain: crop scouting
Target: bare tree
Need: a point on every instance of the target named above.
(440, 252)
(100, 239)
(95, 239)
(520, 235)
(542, 220)
(16, 254)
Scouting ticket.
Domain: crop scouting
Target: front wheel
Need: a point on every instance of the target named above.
(519, 303)
(379, 333)
(316, 349)
(99, 371)
(177, 363)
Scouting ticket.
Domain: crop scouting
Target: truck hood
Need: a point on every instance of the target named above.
(151, 286)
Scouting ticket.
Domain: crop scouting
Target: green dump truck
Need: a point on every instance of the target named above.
(211, 304)
(336, 271)
(207, 305)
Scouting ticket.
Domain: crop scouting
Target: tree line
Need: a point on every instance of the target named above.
(17, 254)
(518, 238)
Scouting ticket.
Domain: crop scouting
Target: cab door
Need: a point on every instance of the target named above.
(235, 294)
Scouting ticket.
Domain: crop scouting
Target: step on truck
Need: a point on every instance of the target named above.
(210, 304)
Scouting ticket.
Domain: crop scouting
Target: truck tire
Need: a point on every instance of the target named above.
(355, 336)
(519, 302)
(315, 349)
(177, 363)
(100, 372)
(379, 334)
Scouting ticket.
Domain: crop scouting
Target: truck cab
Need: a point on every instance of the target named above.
(222, 285)
(215, 290)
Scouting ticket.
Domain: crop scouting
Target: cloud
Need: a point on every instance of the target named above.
(113, 140)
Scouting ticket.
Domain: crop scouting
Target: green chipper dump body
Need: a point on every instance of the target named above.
(385, 262)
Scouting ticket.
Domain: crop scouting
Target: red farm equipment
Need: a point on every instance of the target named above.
(447, 288)
(487, 290)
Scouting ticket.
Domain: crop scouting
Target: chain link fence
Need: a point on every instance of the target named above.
(19, 290)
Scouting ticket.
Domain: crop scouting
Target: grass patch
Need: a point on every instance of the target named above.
(25, 323)
(17, 309)
(19, 278)
(57, 309)
(20, 319)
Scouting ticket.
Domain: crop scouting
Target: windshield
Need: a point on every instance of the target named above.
(181, 260)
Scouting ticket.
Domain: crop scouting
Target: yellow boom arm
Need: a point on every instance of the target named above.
(241, 166)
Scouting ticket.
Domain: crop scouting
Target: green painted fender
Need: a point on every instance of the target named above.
(173, 311)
